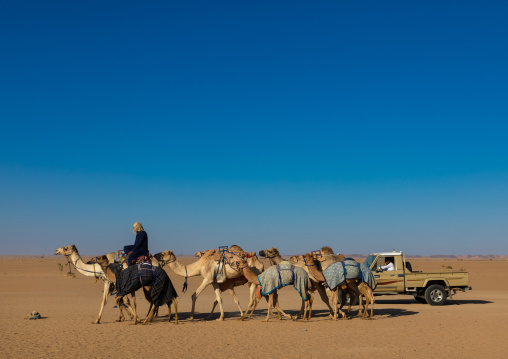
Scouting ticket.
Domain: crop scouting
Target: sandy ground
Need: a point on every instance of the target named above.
(474, 323)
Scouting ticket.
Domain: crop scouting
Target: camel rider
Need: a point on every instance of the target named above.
(140, 247)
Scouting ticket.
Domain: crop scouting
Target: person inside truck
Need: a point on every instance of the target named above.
(388, 264)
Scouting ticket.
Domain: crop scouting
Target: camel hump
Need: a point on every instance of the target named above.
(235, 248)
(326, 250)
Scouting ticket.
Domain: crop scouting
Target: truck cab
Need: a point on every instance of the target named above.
(388, 281)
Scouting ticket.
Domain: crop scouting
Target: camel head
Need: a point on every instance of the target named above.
(199, 254)
(237, 262)
(66, 251)
(253, 261)
(103, 260)
(309, 259)
(165, 257)
(269, 253)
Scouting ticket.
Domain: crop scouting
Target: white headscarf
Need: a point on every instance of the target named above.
(137, 227)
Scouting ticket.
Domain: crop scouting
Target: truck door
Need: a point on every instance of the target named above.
(391, 280)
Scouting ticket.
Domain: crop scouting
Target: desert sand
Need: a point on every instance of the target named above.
(473, 323)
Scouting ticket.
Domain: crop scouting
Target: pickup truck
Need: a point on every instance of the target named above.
(433, 288)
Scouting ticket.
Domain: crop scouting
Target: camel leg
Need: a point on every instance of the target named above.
(218, 297)
(119, 302)
(369, 300)
(128, 303)
(235, 298)
(322, 293)
(280, 311)
(303, 310)
(252, 302)
(202, 286)
(269, 303)
(344, 315)
(148, 297)
(150, 315)
(175, 303)
(104, 301)
(334, 300)
(311, 301)
(215, 302)
(308, 306)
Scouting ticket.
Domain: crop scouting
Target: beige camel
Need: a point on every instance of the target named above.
(89, 270)
(241, 264)
(352, 284)
(104, 262)
(211, 267)
(254, 263)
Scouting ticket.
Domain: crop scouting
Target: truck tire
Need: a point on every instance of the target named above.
(420, 299)
(436, 294)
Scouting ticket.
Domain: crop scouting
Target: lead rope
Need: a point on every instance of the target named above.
(184, 289)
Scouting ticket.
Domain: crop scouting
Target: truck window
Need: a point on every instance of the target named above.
(369, 260)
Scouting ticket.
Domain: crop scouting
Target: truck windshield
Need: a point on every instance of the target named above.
(369, 260)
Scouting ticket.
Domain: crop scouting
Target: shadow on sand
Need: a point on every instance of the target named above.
(411, 301)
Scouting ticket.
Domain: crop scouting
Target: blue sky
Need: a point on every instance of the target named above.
(366, 126)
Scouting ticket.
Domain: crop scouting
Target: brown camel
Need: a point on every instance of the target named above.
(298, 274)
(352, 284)
(213, 267)
(253, 262)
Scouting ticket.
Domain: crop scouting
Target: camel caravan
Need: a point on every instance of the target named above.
(332, 275)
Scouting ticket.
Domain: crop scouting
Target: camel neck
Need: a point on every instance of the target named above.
(250, 275)
(276, 260)
(316, 273)
(89, 270)
(183, 270)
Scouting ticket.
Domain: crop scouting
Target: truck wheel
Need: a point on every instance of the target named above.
(435, 294)
(420, 299)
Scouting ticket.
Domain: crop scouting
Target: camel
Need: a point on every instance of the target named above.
(275, 258)
(328, 257)
(257, 267)
(155, 282)
(89, 270)
(271, 275)
(352, 284)
(213, 272)
(105, 261)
